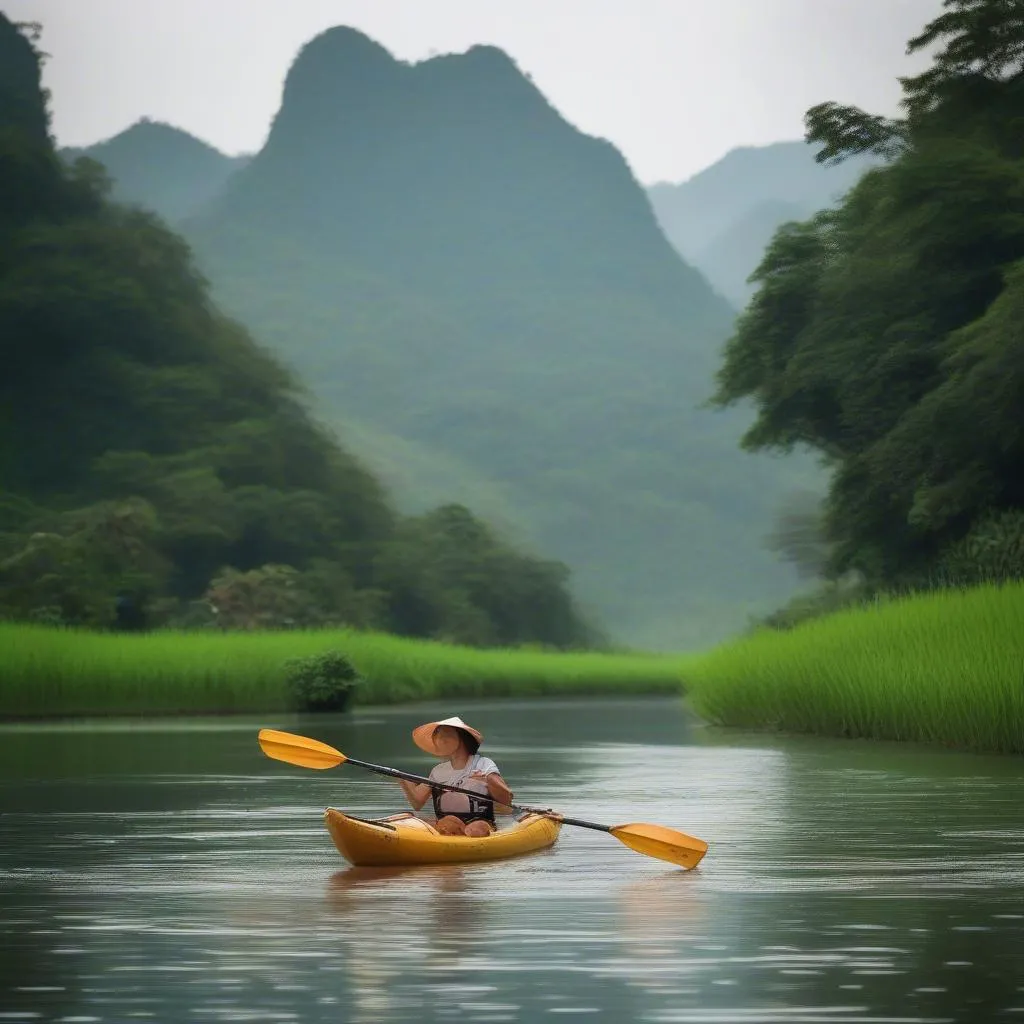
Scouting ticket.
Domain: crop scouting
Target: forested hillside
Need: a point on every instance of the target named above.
(159, 466)
(887, 333)
(453, 266)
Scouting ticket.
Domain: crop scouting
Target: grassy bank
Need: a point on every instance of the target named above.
(48, 672)
(943, 668)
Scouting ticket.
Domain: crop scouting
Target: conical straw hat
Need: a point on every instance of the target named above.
(422, 735)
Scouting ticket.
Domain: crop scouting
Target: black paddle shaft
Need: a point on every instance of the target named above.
(394, 773)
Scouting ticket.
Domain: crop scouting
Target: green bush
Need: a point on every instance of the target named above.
(993, 550)
(321, 682)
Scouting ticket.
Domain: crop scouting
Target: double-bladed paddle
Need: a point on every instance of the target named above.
(652, 840)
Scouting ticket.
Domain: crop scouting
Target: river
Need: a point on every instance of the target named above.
(166, 870)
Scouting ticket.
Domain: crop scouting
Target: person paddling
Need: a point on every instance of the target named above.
(456, 813)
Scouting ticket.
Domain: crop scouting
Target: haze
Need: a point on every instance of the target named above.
(674, 84)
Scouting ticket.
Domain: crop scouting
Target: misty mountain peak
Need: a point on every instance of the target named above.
(162, 167)
(481, 58)
(337, 62)
(160, 140)
(345, 81)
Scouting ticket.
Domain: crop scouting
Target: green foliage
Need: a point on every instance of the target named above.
(70, 568)
(886, 334)
(977, 66)
(992, 550)
(321, 682)
(150, 449)
(939, 668)
(270, 597)
(282, 597)
(447, 575)
(48, 671)
(845, 131)
(981, 39)
(20, 82)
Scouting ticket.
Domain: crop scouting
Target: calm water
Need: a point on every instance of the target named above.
(168, 871)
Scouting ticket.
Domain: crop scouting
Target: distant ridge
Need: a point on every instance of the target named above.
(162, 167)
(722, 218)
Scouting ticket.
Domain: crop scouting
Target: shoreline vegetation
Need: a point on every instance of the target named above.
(61, 672)
(945, 668)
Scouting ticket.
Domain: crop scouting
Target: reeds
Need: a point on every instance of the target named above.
(944, 667)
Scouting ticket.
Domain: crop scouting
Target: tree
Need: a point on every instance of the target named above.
(982, 49)
(70, 567)
(885, 334)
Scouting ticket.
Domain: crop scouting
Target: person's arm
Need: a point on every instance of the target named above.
(496, 786)
(417, 793)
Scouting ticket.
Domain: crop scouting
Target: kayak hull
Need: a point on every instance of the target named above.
(406, 839)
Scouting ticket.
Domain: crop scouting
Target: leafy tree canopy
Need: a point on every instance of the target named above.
(886, 334)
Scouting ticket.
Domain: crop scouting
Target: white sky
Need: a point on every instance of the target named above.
(674, 84)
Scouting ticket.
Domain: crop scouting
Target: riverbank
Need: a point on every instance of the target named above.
(47, 672)
(944, 668)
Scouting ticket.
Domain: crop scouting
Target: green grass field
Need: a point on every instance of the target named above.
(49, 672)
(944, 668)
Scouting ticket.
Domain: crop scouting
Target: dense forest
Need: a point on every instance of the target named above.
(158, 467)
(887, 333)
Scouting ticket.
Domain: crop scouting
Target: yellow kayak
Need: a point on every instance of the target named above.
(406, 839)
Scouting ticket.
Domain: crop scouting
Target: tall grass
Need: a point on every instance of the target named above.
(45, 671)
(945, 667)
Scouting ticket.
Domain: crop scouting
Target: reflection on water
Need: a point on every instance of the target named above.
(170, 872)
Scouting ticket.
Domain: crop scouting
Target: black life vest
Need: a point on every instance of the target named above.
(478, 808)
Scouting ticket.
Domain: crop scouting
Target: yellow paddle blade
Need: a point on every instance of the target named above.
(300, 750)
(663, 843)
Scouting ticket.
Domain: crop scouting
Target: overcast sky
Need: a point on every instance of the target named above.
(674, 84)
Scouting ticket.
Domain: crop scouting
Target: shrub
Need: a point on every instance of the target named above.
(321, 682)
(991, 552)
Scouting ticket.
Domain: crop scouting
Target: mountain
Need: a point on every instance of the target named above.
(733, 254)
(162, 167)
(722, 218)
(449, 262)
(155, 459)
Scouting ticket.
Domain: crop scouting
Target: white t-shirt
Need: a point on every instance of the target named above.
(458, 803)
